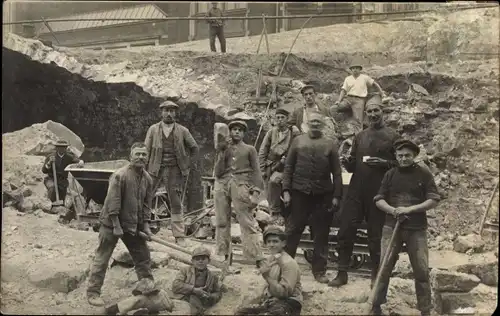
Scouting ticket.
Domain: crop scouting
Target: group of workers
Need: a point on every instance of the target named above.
(299, 171)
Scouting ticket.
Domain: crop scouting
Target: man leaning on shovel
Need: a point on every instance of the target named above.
(58, 160)
(408, 190)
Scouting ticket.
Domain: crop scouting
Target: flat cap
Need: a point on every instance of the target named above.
(406, 143)
(355, 64)
(61, 143)
(200, 251)
(282, 111)
(307, 86)
(238, 123)
(168, 104)
(273, 230)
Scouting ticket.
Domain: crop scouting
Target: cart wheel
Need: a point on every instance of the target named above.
(358, 260)
(95, 227)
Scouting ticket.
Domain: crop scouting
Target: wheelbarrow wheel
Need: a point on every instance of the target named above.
(95, 227)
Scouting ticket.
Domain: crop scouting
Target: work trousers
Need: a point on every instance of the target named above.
(353, 214)
(418, 252)
(270, 306)
(312, 209)
(175, 184)
(62, 185)
(137, 248)
(219, 32)
(274, 188)
(231, 194)
(198, 305)
(357, 105)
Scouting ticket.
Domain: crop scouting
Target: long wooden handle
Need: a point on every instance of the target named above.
(485, 215)
(55, 179)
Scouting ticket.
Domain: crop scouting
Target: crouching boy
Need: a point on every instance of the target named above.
(408, 190)
(282, 294)
(197, 284)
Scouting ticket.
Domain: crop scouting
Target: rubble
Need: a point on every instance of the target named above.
(485, 267)
(471, 242)
(445, 303)
(449, 281)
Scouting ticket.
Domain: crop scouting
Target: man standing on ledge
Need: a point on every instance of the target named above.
(355, 91)
(172, 152)
(216, 28)
(238, 183)
(311, 164)
(300, 117)
(126, 211)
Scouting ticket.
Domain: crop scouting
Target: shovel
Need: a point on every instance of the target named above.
(385, 261)
(57, 202)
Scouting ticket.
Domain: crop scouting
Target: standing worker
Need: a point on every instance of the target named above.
(354, 93)
(308, 187)
(372, 154)
(126, 212)
(300, 116)
(172, 153)
(408, 190)
(61, 158)
(238, 182)
(216, 28)
(272, 156)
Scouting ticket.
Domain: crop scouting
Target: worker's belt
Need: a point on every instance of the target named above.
(355, 96)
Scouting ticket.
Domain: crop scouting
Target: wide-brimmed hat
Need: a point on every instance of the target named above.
(61, 143)
(238, 123)
(354, 65)
(406, 143)
(168, 104)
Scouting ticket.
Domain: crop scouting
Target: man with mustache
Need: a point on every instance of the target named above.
(172, 152)
(372, 154)
(238, 184)
(308, 187)
(272, 156)
(126, 212)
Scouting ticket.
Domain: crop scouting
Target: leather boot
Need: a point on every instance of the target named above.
(321, 278)
(376, 310)
(340, 279)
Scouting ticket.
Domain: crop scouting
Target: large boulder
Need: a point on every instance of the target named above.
(445, 303)
(450, 281)
(471, 242)
(484, 266)
(38, 139)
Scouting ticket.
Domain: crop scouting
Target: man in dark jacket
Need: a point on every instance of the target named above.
(300, 116)
(126, 212)
(172, 153)
(216, 28)
(408, 190)
(61, 158)
(308, 187)
(372, 154)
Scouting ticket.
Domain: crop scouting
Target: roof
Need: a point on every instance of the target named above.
(149, 11)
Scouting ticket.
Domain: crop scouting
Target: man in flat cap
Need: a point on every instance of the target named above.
(238, 184)
(282, 294)
(216, 28)
(172, 153)
(272, 156)
(300, 116)
(61, 158)
(311, 164)
(197, 284)
(354, 92)
(372, 154)
(407, 190)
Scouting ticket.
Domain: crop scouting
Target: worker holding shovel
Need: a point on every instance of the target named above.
(406, 191)
(56, 180)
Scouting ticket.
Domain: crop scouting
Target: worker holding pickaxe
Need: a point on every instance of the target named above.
(55, 163)
(407, 191)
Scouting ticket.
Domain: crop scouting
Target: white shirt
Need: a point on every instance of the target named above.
(357, 87)
(305, 118)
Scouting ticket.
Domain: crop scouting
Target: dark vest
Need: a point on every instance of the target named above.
(169, 157)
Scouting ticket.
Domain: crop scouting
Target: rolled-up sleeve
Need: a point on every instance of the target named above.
(290, 166)
(113, 200)
(345, 86)
(289, 277)
(383, 191)
(431, 190)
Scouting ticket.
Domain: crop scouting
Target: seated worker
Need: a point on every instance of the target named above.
(408, 190)
(283, 293)
(147, 299)
(197, 284)
(62, 157)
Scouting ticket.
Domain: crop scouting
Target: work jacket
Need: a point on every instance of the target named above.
(186, 148)
(272, 149)
(183, 284)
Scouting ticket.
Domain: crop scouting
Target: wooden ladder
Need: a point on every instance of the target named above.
(491, 226)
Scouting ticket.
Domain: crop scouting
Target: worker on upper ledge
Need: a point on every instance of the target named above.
(216, 28)
(59, 160)
(354, 93)
(172, 152)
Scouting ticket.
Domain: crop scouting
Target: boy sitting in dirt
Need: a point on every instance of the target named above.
(197, 284)
(283, 293)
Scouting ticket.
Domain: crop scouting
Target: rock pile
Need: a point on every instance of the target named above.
(452, 290)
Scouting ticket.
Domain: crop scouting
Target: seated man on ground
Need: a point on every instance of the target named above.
(282, 294)
(197, 284)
